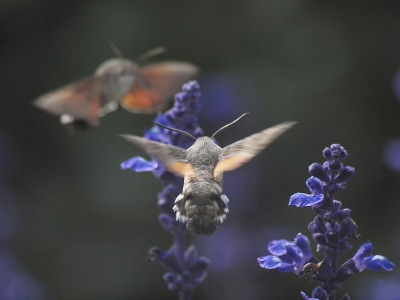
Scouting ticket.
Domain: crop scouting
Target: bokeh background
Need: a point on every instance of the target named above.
(76, 226)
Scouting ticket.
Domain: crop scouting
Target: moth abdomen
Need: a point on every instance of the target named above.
(202, 225)
(202, 211)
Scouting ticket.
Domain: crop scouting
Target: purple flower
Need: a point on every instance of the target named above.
(317, 294)
(372, 262)
(301, 199)
(139, 164)
(287, 256)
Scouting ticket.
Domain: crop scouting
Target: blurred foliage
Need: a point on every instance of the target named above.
(87, 224)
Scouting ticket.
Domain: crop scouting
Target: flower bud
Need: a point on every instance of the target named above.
(327, 153)
(167, 221)
(316, 170)
(347, 228)
(202, 263)
(319, 238)
(319, 293)
(345, 175)
(169, 277)
(344, 246)
(333, 188)
(332, 237)
(343, 155)
(317, 226)
(334, 165)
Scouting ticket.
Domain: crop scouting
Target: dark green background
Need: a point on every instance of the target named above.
(86, 225)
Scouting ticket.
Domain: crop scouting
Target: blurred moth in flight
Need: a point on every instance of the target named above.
(138, 89)
(202, 202)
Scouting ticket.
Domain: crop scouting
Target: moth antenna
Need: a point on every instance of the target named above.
(151, 53)
(115, 51)
(177, 130)
(226, 126)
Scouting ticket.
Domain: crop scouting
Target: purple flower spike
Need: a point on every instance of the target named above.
(186, 269)
(331, 230)
(139, 164)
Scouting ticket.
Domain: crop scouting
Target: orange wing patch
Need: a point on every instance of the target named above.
(140, 100)
(230, 163)
(80, 100)
(181, 169)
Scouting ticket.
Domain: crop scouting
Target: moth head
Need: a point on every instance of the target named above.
(117, 66)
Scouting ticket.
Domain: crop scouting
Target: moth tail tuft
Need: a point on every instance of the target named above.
(202, 225)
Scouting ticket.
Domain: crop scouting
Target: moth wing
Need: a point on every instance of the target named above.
(160, 82)
(141, 99)
(81, 100)
(240, 152)
(174, 158)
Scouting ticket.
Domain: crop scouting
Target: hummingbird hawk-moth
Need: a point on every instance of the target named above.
(138, 89)
(202, 202)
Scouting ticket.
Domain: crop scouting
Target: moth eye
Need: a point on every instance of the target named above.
(179, 198)
(224, 198)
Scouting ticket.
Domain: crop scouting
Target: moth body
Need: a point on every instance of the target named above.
(138, 89)
(120, 75)
(202, 203)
